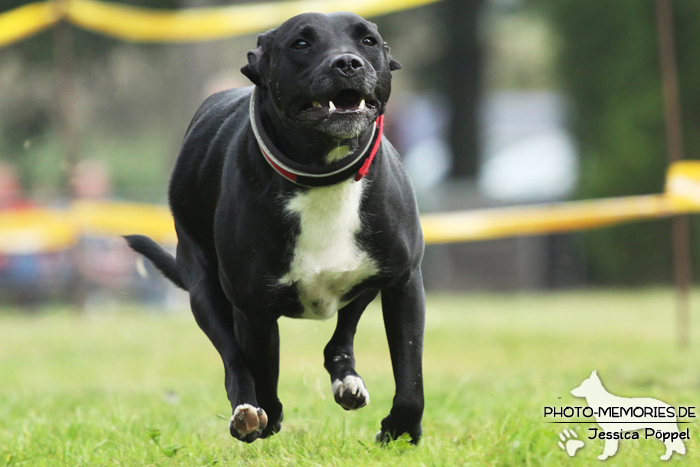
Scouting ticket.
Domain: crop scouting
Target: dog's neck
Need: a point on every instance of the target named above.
(301, 144)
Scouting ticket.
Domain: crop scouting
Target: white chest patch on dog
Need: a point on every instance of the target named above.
(328, 261)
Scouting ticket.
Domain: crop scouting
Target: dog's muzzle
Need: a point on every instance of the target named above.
(354, 165)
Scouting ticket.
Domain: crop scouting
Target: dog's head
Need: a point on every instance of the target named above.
(330, 73)
(589, 386)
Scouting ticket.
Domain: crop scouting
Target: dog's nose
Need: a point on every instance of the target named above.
(347, 64)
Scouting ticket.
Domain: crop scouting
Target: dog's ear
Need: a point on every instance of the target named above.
(393, 64)
(255, 70)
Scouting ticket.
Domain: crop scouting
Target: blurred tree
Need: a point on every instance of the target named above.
(441, 48)
(113, 96)
(609, 67)
(462, 70)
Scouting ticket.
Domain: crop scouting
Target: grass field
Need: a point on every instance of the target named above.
(133, 388)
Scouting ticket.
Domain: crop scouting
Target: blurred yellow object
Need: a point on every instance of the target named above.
(204, 24)
(29, 231)
(123, 218)
(682, 196)
(466, 226)
(26, 20)
(683, 185)
(45, 230)
(140, 24)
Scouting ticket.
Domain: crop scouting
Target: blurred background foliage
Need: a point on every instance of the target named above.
(608, 65)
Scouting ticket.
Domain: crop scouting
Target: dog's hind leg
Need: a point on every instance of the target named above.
(672, 445)
(339, 356)
(678, 446)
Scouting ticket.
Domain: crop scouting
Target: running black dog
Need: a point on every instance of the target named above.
(289, 202)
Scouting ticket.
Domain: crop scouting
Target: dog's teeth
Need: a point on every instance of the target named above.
(362, 104)
(316, 104)
(331, 105)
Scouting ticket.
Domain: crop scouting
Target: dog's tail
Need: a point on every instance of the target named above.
(164, 261)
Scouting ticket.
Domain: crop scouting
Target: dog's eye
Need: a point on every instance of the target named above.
(300, 44)
(369, 41)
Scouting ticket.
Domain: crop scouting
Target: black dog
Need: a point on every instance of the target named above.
(288, 202)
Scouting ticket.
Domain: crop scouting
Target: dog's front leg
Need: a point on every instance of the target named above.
(339, 356)
(214, 314)
(609, 450)
(258, 339)
(403, 308)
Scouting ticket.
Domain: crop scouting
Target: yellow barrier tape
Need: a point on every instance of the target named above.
(204, 24)
(44, 230)
(683, 184)
(30, 231)
(682, 196)
(466, 226)
(40, 230)
(123, 218)
(139, 24)
(26, 20)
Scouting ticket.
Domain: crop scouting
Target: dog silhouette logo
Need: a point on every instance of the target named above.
(620, 418)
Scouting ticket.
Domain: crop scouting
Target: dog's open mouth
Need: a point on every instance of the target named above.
(347, 101)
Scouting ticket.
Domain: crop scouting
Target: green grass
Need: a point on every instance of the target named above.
(135, 389)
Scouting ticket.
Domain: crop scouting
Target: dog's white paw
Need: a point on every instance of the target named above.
(351, 392)
(247, 419)
(568, 443)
